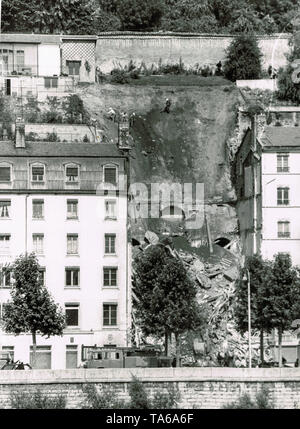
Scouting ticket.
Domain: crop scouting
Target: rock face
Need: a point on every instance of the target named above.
(187, 145)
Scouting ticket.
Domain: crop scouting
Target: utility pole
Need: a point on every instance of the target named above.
(247, 278)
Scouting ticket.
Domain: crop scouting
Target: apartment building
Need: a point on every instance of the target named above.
(67, 202)
(267, 182)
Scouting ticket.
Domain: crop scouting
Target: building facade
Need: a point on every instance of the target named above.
(60, 201)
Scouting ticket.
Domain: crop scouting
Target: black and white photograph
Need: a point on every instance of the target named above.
(149, 207)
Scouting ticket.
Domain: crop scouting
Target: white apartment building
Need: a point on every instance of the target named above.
(268, 183)
(60, 201)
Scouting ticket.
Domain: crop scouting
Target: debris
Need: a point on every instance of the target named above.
(151, 237)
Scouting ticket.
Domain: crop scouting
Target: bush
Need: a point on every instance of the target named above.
(119, 76)
(138, 396)
(243, 59)
(262, 401)
(36, 400)
(104, 400)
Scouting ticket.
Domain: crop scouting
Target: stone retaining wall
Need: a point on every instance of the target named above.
(198, 387)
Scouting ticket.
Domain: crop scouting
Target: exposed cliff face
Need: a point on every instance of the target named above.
(186, 145)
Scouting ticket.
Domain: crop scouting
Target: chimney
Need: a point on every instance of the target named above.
(20, 133)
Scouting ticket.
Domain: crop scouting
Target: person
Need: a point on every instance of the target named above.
(297, 363)
(167, 106)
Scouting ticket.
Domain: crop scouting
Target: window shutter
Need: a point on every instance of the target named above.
(37, 171)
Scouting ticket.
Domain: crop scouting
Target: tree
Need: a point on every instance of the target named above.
(166, 296)
(43, 16)
(284, 296)
(289, 77)
(260, 272)
(139, 14)
(31, 309)
(243, 59)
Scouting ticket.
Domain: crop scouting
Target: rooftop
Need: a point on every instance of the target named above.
(55, 39)
(281, 136)
(51, 149)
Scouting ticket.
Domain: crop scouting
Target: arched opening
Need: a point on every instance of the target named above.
(222, 241)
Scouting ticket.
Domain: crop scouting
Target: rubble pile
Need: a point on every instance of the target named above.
(214, 273)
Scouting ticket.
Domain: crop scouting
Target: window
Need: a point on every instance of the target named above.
(38, 243)
(72, 244)
(72, 314)
(43, 275)
(283, 229)
(2, 308)
(282, 162)
(110, 314)
(4, 244)
(38, 209)
(5, 209)
(72, 209)
(110, 209)
(72, 277)
(74, 67)
(51, 82)
(43, 357)
(38, 173)
(109, 276)
(110, 243)
(110, 175)
(72, 173)
(5, 278)
(282, 196)
(20, 57)
(9, 351)
(71, 356)
(5, 173)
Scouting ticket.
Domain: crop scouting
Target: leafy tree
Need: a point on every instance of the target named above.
(243, 59)
(31, 309)
(289, 77)
(138, 14)
(166, 296)
(260, 271)
(284, 296)
(47, 16)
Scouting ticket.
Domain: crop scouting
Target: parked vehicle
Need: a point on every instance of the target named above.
(6, 363)
(124, 357)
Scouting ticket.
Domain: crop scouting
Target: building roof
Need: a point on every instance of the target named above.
(281, 136)
(48, 39)
(30, 38)
(50, 149)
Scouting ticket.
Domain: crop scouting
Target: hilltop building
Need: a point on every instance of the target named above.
(67, 202)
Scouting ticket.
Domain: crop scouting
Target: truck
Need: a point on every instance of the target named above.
(124, 357)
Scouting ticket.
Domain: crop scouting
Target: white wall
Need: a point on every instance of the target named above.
(272, 213)
(91, 227)
(48, 60)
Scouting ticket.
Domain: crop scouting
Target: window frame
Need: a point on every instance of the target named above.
(4, 164)
(72, 62)
(281, 167)
(285, 232)
(8, 247)
(110, 185)
(72, 201)
(282, 201)
(69, 235)
(110, 236)
(72, 270)
(4, 276)
(72, 165)
(8, 209)
(39, 165)
(34, 235)
(106, 215)
(115, 268)
(109, 324)
(72, 306)
(38, 201)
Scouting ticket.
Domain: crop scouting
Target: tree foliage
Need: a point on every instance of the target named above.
(243, 59)
(166, 295)
(31, 308)
(93, 16)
